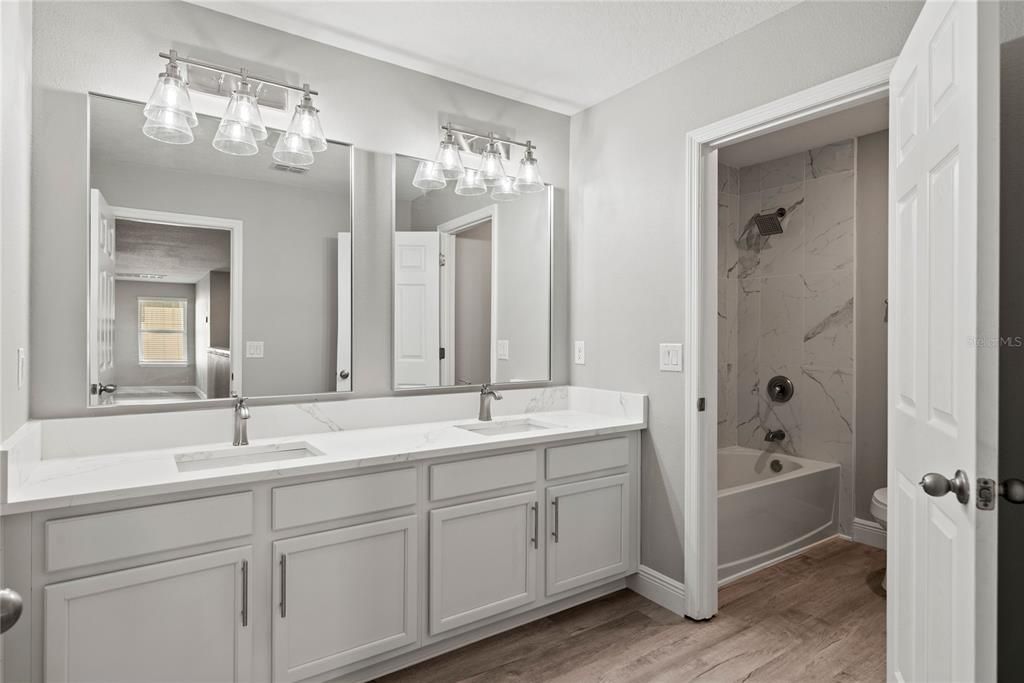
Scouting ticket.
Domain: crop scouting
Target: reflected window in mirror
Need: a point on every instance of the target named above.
(213, 275)
(472, 284)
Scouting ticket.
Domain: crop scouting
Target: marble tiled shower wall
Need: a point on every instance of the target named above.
(785, 306)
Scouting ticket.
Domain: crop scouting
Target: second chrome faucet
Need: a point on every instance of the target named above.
(486, 394)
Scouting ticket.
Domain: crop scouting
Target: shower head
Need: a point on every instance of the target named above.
(770, 223)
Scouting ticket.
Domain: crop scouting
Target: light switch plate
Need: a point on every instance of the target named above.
(579, 355)
(670, 357)
(503, 349)
(254, 349)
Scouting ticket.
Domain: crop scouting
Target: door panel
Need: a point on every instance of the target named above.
(173, 621)
(102, 278)
(417, 309)
(944, 171)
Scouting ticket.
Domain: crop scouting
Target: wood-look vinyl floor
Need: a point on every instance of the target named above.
(819, 616)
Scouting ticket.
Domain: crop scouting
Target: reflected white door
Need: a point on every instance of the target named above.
(102, 273)
(943, 218)
(344, 366)
(417, 306)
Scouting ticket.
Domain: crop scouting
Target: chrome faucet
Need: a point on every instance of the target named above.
(241, 423)
(774, 435)
(486, 394)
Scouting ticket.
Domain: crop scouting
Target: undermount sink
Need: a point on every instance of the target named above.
(244, 455)
(504, 427)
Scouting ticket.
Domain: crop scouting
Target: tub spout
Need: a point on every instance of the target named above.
(774, 435)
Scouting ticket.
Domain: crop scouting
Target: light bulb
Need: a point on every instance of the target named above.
(168, 126)
(428, 176)
(491, 170)
(449, 159)
(306, 124)
(244, 110)
(470, 184)
(169, 113)
(529, 179)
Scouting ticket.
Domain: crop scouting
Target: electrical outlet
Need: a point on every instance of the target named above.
(254, 349)
(21, 367)
(503, 349)
(578, 353)
(670, 357)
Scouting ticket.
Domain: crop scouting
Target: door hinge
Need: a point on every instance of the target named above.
(443, 261)
(701, 404)
(442, 353)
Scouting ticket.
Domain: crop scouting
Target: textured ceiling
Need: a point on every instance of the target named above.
(563, 56)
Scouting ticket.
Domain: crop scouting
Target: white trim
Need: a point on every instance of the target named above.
(699, 473)
(659, 589)
(211, 223)
(869, 533)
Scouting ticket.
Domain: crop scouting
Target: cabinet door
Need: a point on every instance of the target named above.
(588, 532)
(183, 620)
(342, 596)
(483, 559)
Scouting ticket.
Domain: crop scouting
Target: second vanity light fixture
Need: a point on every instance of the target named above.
(170, 117)
(491, 176)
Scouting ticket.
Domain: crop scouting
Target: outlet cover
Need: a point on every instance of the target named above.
(579, 356)
(254, 349)
(503, 349)
(670, 357)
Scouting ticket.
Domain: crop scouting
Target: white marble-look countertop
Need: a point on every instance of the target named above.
(39, 483)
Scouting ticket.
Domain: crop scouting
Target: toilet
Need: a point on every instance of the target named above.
(879, 510)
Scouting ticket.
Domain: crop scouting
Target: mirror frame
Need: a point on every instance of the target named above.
(211, 403)
(523, 384)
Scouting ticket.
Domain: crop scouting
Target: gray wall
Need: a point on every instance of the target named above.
(626, 203)
(289, 266)
(15, 140)
(375, 106)
(473, 305)
(870, 439)
(127, 371)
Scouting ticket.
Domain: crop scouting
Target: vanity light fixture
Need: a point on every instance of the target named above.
(170, 116)
(448, 165)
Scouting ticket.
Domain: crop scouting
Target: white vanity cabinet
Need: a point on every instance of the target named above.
(483, 559)
(184, 620)
(589, 532)
(342, 596)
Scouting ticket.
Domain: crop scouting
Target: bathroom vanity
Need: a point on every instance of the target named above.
(320, 555)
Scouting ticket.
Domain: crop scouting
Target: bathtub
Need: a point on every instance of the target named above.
(764, 515)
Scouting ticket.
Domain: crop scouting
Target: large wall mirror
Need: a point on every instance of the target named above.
(472, 285)
(212, 275)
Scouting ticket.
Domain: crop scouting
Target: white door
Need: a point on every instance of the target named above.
(344, 366)
(943, 275)
(183, 620)
(342, 596)
(483, 559)
(588, 536)
(417, 321)
(102, 274)
(449, 267)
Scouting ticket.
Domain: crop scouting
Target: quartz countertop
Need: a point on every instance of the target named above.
(39, 483)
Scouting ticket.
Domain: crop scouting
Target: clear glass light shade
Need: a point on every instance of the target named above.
(428, 176)
(236, 139)
(306, 124)
(529, 179)
(470, 184)
(170, 97)
(168, 126)
(449, 159)
(293, 150)
(243, 109)
(505, 190)
(491, 170)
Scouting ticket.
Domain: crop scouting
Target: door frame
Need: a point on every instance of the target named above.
(450, 229)
(234, 227)
(699, 485)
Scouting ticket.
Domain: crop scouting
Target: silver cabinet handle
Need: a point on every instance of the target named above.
(10, 608)
(554, 532)
(245, 593)
(284, 585)
(536, 524)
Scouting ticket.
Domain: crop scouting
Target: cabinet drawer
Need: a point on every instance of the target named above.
(91, 539)
(593, 456)
(323, 501)
(465, 477)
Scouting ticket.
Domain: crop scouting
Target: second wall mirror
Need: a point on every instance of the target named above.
(472, 285)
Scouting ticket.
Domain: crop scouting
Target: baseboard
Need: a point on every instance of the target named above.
(869, 533)
(659, 589)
